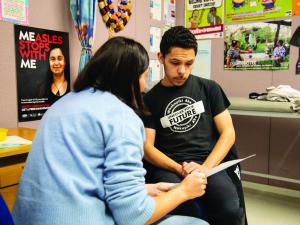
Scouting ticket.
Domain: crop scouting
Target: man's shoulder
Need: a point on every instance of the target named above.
(201, 80)
(153, 91)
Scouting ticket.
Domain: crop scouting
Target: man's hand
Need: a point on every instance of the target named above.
(190, 167)
(158, 188)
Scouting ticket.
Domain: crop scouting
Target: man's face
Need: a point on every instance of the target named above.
(178, 65)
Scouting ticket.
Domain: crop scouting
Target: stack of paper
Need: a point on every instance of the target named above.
(13, 141)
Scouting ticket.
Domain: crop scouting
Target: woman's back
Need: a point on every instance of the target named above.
(74, 170)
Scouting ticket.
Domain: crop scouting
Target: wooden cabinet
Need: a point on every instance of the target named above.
(276, 143)
(12, 162)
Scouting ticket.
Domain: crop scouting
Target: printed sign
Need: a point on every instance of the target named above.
(258, 46)
(245, 10)
(205, 18)
(43, 73)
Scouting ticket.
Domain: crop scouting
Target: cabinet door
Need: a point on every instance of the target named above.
(252, 137)
(10, 175)
(9, 195)
(285, 152)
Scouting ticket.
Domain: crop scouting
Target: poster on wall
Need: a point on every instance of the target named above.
(154, 70)
(202, 64)
(258, 46)
(155, 9)
(169, 13)
(14, 11)
(154, 74)
(245, 10)
(296, 7)
(205, 18)
(43, 70)
(155, 36)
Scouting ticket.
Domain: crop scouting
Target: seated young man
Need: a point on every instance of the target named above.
(190, 129)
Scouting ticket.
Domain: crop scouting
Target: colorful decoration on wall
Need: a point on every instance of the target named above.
(296, 7)
(115, 20)
(83, 15)
(14, 11)
(245, 10)
(258, 46)
(205, 19)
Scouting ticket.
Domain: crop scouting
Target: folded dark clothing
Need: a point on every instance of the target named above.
(255, 95)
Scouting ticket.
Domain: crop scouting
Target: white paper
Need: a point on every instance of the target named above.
(15, 140)
(221, 167)
(202, 64)
(155, 36)
(155, 9)
(225, 165)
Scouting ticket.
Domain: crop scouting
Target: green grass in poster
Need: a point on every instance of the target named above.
(245, 10)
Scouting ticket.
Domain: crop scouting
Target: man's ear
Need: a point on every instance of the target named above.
(160, 57)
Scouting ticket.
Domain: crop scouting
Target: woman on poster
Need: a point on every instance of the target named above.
(56, 84)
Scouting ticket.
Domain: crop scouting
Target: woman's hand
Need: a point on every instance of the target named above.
(158, 188)
(193, 185)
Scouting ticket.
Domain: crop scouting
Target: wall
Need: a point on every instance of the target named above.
(241, 83)
(55, 15)
(276, 141)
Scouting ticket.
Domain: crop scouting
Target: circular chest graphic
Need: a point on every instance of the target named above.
(182, 114)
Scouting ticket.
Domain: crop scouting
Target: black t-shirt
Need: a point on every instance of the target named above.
(183, 118)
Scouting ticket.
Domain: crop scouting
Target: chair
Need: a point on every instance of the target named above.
(5, 216)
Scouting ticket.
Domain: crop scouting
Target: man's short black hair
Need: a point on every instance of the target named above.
(178, 36)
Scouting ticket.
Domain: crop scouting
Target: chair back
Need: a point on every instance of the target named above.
(5, 216)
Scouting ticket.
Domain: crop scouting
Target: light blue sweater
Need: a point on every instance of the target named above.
(85, 165)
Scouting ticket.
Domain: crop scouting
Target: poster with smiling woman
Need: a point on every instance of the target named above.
(43, 70)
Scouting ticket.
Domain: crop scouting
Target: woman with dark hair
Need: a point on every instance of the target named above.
(56, 84)
(85, 165)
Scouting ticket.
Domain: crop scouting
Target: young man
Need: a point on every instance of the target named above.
(190, 129)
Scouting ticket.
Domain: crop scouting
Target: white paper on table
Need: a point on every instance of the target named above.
(15, 140)
(225, 165)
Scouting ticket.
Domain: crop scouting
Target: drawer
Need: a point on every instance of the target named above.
(10, 175)
(9, 195)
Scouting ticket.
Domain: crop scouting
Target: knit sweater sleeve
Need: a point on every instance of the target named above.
(124, 174)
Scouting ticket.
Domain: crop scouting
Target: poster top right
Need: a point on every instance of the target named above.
(246, 10)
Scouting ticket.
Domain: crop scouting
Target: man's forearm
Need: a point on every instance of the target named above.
(220, 150)
(159, 159)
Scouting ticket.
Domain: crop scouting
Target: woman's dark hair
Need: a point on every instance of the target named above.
(116, 67)
(178, 36)
(45, 87)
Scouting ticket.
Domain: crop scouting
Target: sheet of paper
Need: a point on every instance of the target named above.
(225, 165)
(15, 140)
(221, 167)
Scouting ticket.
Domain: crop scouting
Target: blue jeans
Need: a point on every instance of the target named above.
(180, 220)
